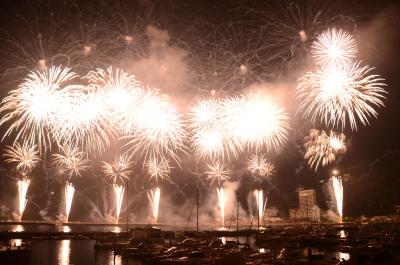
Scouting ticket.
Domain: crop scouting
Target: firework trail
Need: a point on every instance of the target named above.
(25, 157)
(218, 173)
(322, 149)
(154, 198)
(259, 165)
(158, 169)
(30, 109)
(227, 59)
(259, 194)
(72, 161)
(118, 172)
(23, 186)
(221, 204)
(69, 191)
(338, 190)
(119, 195)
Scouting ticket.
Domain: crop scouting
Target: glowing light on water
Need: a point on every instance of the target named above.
(154, 198)
(30, 108)
(64, 252)
(342, 256)
(69, 191)
(23, 186)
(119, 194)
(17, 242)
(223, 240)
(221, 204)
(259, 194)
(117, 229)
(66, 229)
(338, 190)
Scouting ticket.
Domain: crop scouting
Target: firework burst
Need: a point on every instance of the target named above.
(158, 128)
(119, 169)
(158, 168)
(119, 90)
(25, 157)
(82, 120)
(258, 164)
(322, 149)
(209, 135)
(340, 93)
(31, 107)
(217, 173)
(72, 160)
(334, 46)
(255, 122)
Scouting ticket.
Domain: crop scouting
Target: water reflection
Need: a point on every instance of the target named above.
(116, 229)
(223, 239)
(17, 228)
(64, 252)
(342, 256)
(115, 260)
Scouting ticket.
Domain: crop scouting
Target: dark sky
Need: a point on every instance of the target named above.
(372, 161)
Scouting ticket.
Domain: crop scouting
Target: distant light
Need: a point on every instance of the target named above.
(303, 36)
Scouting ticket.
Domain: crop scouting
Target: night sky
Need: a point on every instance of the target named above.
(372, 161)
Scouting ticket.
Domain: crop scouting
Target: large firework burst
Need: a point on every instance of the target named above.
(25, 157)
(158, 128)
(255, 122)
(118, 88)
(210, 137)
(340, 93)
(31, 107)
